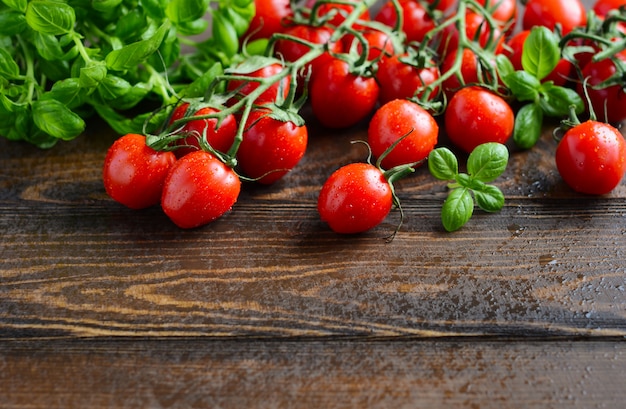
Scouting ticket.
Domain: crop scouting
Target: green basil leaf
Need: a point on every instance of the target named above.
(68, 91)
(105, 6)
(191, 28)
(57, 120)
(541, 52)
(556, 101)
(11, 22)
(131, 98)
(490, 198)
(8, 67)
(92, 74)
(457, 209)
(505, 68)
(239, 17)
(19, 5)
(224, 35)
(112, 87)
(50, 17)
(200, 85)
(131, 55)
(48, 46)
(442, 164)
(131, 25)
(528, 125)
(184, 11)
(155, 8)
(523, 85)
(487, 161)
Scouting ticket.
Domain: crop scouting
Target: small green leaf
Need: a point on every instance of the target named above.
(200, 85)
(556, 101)
(8, 67)
(67, 91)
(457, 209)
(224, 35)
(105, 6)
(48, 46)
(489, 199)
(505, 67)
(19, 5)
(541, 52)
(523, 85)
(92, 74)
(57, 120)
(442, 164)
(12, 22)
(184, 11)
(50, 17)
(487, 161)
(131, 55)
(528, 124)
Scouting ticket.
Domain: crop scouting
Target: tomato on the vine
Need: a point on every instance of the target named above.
(340, 98)
(468, 72)
(270, 147)
(476, 29)
(340, 11)
(379, 44)
(355, 198)
(417, 20)
(405, 120)
(246, 87)
(608, 103)
(219, 137)
(268, 18)
(591, 157)
(199, 189)
(569, 14)
(475, 116)
(503, 11)
(400, 80)
(133, 173)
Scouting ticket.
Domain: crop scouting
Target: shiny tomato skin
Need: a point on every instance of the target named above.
(133, 173)
(220, 138)
(398, 80)
(416, 19)
(469, 72)
(568, 13)
(270, 94)
(591, 157)
(475, 116)
(393, 121)
(607, 100)
(603, 7)
(199, 189)
(268, 19)
(270, 148)
(355, 198)
(339, 98)
(292, 50)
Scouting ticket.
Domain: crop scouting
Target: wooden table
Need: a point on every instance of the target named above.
(106, 307)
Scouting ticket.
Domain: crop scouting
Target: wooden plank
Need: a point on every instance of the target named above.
(250, 373)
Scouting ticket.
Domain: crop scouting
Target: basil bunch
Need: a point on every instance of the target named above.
(64, 61)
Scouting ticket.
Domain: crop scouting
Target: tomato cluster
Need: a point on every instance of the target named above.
(469, 62)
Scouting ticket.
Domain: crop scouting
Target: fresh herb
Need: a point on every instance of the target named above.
(486, 163)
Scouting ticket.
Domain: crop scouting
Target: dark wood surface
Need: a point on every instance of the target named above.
(106, 307)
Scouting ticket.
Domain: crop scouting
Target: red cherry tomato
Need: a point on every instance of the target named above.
(339, 98)
(475, 116)
(219, 137)
(469, 71)
(569, 14)
(503, 11)
(270, 147)
(398, 80)
(355, 198)
(380, 45)
(562, 73)
(133, 173)
(404, 119)
(476, 28)
(340, 11)
(417, 20)
(199, 189)
(609, 103)
(270, 94)
(268, 18)
(603, 7)
(591, 158)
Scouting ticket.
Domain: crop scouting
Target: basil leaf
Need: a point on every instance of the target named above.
(224, 35)
(541, 52)
(528, 124)
(8, 67)
(48, 46)
(523, 85)
(200, 85)
(68, 92)
(131, 55)
(442, 164)
(19, 5)
(105, 6)
(556, 101)
(57, 120)
(505, 68)
(457, 209)
(11, 22)
(487, 161)
(184, 11)
(489, 198)
(50, 17)
(92, 74)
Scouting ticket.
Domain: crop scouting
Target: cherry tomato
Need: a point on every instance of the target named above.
(340, 11)
(355, 198)
(569, 14)
(503, 11)
(398, 80)
(562, 73)
(404, 119)
(475, 116)
(591, 157)
(270, 147)
(199, 189)
(271, 93)
(603, 7)
(268, 18)
(133, 173)
(339, 98)
(476, 29)
(609, 103)
(219, 137)
(417, 20)
(378, 42)
(469, 71)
